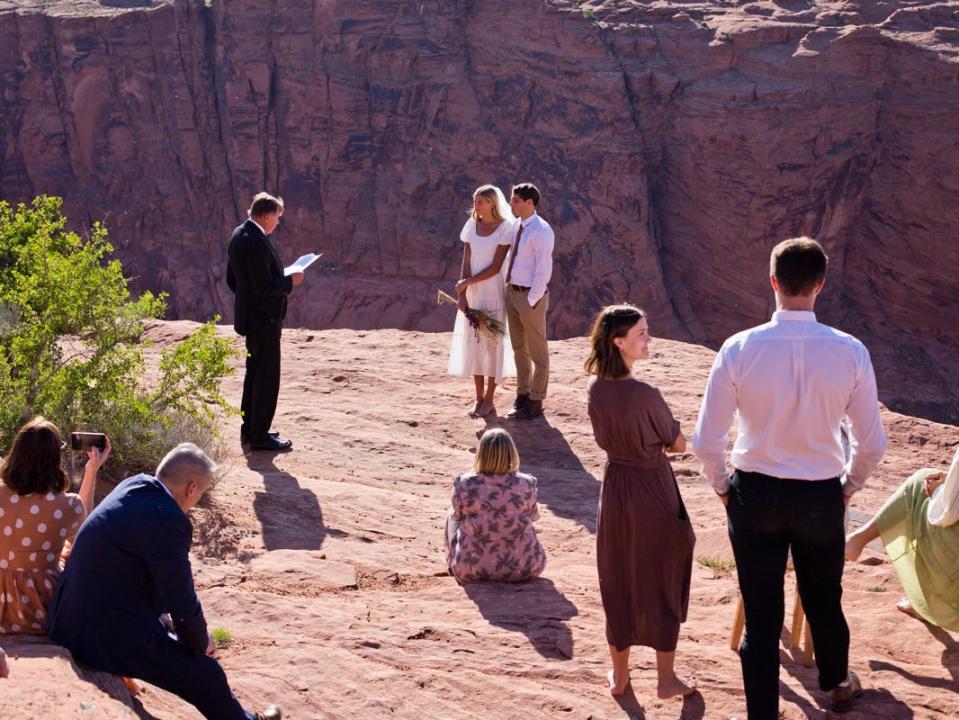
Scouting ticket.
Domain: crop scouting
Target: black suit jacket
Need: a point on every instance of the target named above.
(129, 564)
(255, 274)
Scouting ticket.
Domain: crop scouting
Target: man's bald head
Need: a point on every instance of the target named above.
(186, 471)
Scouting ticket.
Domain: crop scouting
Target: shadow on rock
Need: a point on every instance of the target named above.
(950, 661)
(40, 646)
(875, 702)
(564, 485)
(289, 515)
(629, 704)
(535, 608)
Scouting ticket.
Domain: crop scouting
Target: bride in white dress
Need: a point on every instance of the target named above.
(487, 237)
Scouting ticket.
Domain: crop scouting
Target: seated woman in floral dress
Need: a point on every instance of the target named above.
(919, 527)
(37, 518)
(489, 528)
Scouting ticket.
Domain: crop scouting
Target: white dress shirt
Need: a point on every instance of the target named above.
(793, 380)
(163, 485)
(259, 226)
(943, 509)
(533, 266)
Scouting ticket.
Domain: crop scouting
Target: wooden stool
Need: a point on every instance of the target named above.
(800, 630)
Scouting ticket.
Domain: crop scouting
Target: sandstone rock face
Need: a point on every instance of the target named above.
(674, 143)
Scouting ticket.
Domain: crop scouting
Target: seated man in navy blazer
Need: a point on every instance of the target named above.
(129, 565)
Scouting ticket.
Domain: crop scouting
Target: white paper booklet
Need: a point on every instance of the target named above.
(302, 263)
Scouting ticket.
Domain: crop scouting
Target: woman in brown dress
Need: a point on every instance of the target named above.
(644, 540)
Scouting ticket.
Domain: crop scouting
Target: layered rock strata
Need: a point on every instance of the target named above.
(675, 142)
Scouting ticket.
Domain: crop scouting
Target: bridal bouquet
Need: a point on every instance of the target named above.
(480, 320)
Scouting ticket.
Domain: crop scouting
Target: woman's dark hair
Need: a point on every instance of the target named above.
(33, 464)
(605, 360)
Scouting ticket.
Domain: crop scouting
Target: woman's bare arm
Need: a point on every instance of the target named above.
(89, 484)
(679, 444)
(493, 268)
(465, 269)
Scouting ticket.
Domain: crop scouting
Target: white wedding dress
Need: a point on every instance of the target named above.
(473, 353)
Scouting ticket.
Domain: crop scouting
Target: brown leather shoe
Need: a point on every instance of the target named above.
(519, 406)
(842, 695)
(271, 713)
(533, 409)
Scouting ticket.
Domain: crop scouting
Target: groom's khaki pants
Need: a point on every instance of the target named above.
(527, 332)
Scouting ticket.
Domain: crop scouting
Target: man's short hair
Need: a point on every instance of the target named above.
(184, 463)
(527, 191)
(265, 204)
(799, 265)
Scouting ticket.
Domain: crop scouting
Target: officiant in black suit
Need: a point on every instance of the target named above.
(255, 274)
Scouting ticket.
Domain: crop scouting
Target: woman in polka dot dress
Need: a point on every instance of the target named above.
(37, 517)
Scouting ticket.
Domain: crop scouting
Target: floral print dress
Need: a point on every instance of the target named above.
(490, 528)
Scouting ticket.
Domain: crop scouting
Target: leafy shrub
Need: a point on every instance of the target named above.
(720, 566)
(221, 637)
(71, 344)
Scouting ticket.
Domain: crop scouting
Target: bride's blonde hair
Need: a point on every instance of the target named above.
(488, 192)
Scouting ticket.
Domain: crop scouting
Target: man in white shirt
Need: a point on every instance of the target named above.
(527, 300)
(792, 380)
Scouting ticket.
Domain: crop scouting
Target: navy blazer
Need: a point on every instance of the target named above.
(129, 564)
(255, 274)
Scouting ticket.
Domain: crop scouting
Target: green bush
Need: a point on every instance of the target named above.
(221, 637)
(71, 344)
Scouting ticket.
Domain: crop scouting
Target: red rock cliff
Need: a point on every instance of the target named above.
(674, 142)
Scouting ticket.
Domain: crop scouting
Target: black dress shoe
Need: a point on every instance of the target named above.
(271, 713)
(272, 444)
(245, 439)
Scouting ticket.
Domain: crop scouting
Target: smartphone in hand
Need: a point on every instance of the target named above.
(87, 440)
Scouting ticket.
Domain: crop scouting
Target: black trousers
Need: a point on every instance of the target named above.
(767, 517)
(261, 385)
(199, 680)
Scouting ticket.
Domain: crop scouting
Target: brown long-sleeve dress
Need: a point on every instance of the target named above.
(644, 539)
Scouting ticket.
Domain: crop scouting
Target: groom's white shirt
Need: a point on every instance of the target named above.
(534, 262)
(792, 380)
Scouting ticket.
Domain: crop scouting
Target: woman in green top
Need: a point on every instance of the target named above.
(919, 527)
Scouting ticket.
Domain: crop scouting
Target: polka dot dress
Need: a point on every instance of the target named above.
(33, 531)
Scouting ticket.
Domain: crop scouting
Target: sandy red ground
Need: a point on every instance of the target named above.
(326, 565)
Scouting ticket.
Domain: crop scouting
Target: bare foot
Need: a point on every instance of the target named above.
(904, 606)
(674, 688)
(854, 547)
(616, 689)
(476, 406)
(4, 668)
(485, 408)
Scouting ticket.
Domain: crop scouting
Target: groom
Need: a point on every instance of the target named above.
(527, 300)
